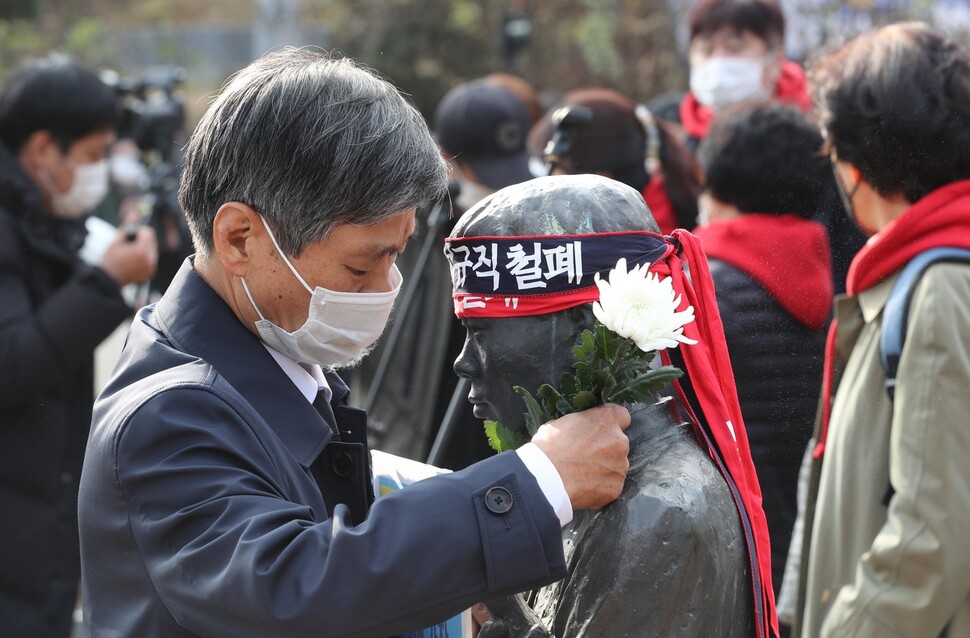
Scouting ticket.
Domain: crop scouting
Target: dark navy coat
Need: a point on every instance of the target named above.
(216, 501)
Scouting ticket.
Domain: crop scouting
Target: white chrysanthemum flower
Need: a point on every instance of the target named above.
(640, 306)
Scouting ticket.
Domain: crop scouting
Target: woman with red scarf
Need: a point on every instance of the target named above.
(772, 278)
(889, 503)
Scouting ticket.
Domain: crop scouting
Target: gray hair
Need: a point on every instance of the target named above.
(310, 142)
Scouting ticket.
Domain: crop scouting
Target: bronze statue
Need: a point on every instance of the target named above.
(669, 557)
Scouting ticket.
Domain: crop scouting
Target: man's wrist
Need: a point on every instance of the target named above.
(549, 481)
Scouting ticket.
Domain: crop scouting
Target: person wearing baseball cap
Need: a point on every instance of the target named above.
(482, 129)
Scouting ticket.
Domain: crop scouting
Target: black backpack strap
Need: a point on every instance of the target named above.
(894, 317)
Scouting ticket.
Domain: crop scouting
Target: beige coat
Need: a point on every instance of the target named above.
(901, 570)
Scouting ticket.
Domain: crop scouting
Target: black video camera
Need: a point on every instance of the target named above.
(153, 117)
(152, 109)
(566, 122)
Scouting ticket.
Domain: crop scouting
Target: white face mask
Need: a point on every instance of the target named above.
(341, 326)
(88, 190)
(723, 81)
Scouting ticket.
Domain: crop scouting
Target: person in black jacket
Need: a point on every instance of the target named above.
(56, 124)
(770, 263)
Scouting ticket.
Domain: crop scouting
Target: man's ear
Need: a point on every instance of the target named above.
(235, 229)
(37, 152)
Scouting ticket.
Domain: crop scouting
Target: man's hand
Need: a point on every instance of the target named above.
(589, 450)
(129, 261)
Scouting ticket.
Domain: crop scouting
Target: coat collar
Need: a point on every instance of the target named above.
(873, 300)
(197, 321)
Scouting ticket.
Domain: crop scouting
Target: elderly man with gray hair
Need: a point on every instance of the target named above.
(226, 487)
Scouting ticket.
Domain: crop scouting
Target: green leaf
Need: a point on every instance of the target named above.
(584, 375)
(639, 389)
(548, 393)
(603, 341)
(551, 400)
(636, 364)
(604, 383)
(568, 385)
(501, 439)
(586, 350)
(534, 415)
(584, 400)
(622, 349)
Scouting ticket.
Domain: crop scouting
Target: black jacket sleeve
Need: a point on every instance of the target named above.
(46, 341)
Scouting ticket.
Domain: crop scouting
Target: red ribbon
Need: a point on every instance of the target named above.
(712, 379)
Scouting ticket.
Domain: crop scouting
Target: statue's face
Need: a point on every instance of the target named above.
(502, 353)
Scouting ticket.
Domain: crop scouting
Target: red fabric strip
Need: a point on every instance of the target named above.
(828, 376)
(711, 376)
(470, 305)
(942, 218)
(709, 369)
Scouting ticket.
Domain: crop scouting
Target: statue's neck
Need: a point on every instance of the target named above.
(651, 423)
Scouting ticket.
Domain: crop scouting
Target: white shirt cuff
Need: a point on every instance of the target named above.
(549, 480)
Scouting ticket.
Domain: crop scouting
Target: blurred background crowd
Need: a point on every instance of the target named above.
(426, 46)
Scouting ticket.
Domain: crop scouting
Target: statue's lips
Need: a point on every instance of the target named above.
(480, 408)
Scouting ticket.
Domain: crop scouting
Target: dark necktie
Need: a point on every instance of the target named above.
(322, 405)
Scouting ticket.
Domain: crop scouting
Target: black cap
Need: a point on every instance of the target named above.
(485, 126)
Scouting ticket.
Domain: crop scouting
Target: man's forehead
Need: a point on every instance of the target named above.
(389, 234)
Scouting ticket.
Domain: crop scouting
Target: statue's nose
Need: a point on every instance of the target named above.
(466, 365)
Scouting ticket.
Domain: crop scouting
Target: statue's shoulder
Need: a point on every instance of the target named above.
(661, 447)
(672, 475)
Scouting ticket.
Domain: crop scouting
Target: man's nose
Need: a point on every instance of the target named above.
(382, 281)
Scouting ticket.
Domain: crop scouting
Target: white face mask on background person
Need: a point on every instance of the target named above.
(723, 81)
(89, 188)
(340, 327)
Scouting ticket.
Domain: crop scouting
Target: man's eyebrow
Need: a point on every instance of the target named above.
(384, 250)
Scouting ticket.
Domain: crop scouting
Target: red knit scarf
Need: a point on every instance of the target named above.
(787, 255)
(941, 219)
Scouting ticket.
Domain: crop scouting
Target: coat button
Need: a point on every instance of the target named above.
(498, 500)
(343, 464)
